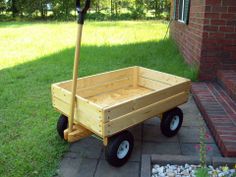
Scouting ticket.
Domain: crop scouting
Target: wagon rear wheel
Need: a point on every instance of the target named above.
(119, 148)
(62, 124)
(171, 122)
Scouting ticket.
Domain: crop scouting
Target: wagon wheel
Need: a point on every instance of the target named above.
(119, 148)
(171, 122)
(62, 124)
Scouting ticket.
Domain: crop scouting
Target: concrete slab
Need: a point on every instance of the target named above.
(153, 133)
(136, 132)
(77, 167)
(153, 121)
(130, 169)
(146, 166)
(193, 149)
(161, 148)
(88, 148)
(192, 134)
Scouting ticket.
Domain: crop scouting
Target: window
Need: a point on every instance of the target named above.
(181, 10)
(183, 7)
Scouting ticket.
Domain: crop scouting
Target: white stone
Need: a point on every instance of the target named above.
(154, 170)
(160, 169)
(171, 174)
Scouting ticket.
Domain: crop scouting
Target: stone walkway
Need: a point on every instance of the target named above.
(86, 157)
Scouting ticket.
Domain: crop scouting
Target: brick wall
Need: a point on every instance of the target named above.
(219, 42)
(209, 40)
(189, 37)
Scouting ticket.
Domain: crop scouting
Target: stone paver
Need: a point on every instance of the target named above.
(130, 169)
(153, 133)
(86, 157)
(88, 147)
(193, 149)
(161, 148)
(191, 135)
(77, 167)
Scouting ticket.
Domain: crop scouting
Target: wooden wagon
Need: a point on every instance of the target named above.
(108, 104)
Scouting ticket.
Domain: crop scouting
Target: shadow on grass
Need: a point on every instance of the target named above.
(30, 145)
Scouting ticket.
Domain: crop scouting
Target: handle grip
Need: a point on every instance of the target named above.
(82, 11)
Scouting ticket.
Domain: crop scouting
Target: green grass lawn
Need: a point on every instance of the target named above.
(35, 55)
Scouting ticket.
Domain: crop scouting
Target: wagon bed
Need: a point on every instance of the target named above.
(110, 102)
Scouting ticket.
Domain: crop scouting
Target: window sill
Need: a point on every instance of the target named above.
(181, 21)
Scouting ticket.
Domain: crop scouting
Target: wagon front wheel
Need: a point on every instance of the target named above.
(171, 122)
(119, 148)
(62, 124)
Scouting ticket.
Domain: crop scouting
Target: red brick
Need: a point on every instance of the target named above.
(230, 48)
(229, 3)
(228, 16)
(208, 9)
(231, 22)
(210, 28)
(212, 15)
(226, 29)
(232, 9)
(216, 35)
(213, 2)
(218, 22)
(219, 9)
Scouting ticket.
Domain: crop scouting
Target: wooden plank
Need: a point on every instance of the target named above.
(65, 95)
(85, 114)
(140, 115)
(120, 109)
(160, 76)
(98, 79)
(151, 84)
(78, 133)
(119, 95)
(106, 87)
(135, 76)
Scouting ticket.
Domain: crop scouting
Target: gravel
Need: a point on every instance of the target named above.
(189, 171)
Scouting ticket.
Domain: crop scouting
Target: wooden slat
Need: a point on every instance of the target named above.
(135, 76)
(78, 133)
(98, 79)
(106, 87)
(138, 116)
(160, 76)
(120, 109)
(85, 114)
(119, 95)
(65, 95)
(151, 84)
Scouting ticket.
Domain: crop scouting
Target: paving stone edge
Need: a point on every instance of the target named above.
(148, 160)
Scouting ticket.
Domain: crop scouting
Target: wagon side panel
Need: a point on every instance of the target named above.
(100, 83)
(86, 114)
(118, 110)
(145, 74)
(142, 114)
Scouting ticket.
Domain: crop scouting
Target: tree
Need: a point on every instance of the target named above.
(2, 6)
(62, 8)
(14, 9)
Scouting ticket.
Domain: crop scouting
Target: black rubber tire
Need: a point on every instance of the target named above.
(62, 124)
(167, 119)
(113, 145)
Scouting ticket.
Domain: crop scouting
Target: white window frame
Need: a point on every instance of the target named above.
(182, 12)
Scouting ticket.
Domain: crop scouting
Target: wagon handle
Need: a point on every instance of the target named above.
(82, 11)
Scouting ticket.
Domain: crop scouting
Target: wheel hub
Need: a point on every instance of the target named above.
(174, 123)
(123, 149)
